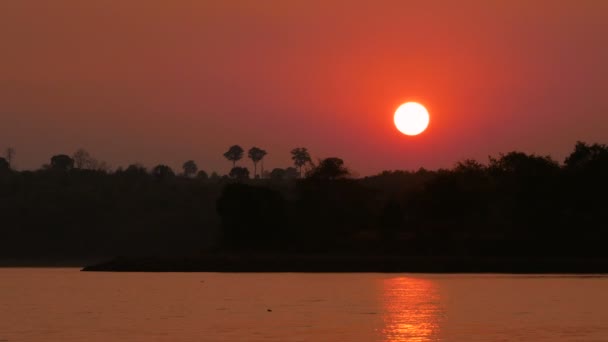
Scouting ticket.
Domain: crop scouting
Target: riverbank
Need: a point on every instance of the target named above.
(380, 264)
(48, 262)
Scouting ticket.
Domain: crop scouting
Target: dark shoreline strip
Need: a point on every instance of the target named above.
(335, 264)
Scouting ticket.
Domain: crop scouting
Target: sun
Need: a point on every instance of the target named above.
(411, 118)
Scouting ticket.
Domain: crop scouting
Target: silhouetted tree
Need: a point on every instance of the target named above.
(162, 172)
(469, 166)
(523, 164)
(190, 168)
(291, 173)
(526, 193)
(215, 176)
(84, 161)
(135, 170)
(300, 157)
(10, 155)
(234, 154)
(81, 159)
(585, 181)
(585, 155)
(62, 162)
(100, 166)
(239, 173)
(4, 165)
(329, 169)
(277, 174)
(202, 175)
(256, 154)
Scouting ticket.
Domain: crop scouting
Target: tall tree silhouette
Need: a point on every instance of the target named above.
(256, 154)
(190, 168)
(300, 157)
(62, 162)
(10, 155)
(82, 159)
(234, 154)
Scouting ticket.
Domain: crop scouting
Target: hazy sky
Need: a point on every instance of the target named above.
(155, 81)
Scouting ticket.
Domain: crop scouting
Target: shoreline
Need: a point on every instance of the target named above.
(49, 263)
(243, 263)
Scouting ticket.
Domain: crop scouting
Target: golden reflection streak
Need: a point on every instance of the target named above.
(412, 310)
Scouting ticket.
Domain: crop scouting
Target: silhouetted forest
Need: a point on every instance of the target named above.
(513, 205)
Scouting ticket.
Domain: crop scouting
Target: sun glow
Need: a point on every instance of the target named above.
(412, 310)
(411, 118)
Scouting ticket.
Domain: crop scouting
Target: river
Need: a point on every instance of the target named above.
(46, 304)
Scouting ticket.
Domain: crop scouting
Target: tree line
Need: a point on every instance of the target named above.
(515, 204)
(82, 160)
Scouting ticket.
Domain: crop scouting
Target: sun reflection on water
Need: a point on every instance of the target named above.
(412, 310)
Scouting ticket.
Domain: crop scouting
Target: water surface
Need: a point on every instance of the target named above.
(68, 305)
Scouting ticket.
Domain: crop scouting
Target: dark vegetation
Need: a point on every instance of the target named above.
(515, 206)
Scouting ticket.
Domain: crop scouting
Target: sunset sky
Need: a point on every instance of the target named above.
(156, 81)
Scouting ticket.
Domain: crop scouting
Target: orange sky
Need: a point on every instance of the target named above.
(165, 81)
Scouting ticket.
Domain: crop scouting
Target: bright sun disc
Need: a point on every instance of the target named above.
(411, 118)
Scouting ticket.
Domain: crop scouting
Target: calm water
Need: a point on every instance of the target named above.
(68, 305)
